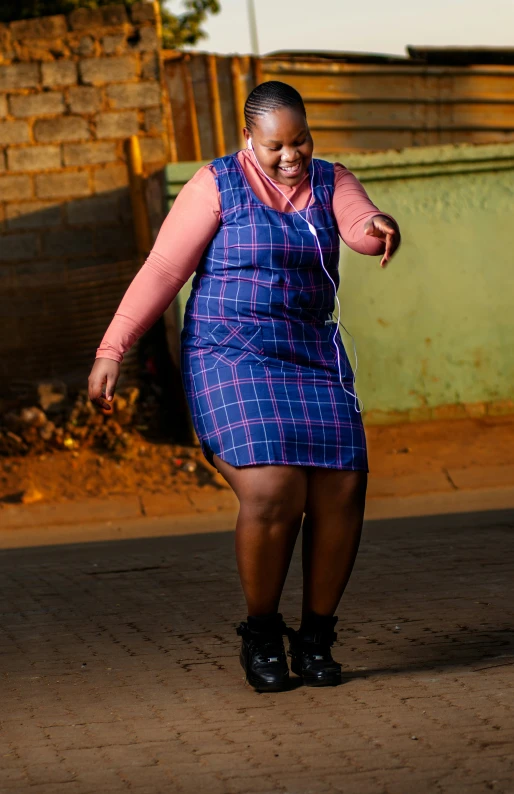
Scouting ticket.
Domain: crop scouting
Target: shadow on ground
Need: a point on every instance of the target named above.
(436, 592)
(130, 647)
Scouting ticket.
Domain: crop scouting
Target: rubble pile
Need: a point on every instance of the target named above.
(60, 422)
(57, 446)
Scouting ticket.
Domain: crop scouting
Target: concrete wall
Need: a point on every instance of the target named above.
(433, 330)
(72, 89)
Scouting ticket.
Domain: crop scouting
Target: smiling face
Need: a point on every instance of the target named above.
(282, 144)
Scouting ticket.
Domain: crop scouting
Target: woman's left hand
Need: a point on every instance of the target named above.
(385, 229)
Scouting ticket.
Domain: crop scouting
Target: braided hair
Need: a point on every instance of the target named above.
(271, 96)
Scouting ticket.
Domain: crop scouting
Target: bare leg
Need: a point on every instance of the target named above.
(331, 535)
(272, 502)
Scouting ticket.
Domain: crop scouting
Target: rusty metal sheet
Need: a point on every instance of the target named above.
(176, 71)
(228, 111)
(340, 141)
(451, 56)
(198, 67)
(341, 56)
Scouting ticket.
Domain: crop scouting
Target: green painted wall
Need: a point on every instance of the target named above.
(436, 326)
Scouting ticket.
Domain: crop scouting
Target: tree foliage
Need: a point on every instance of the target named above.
(178, 29)
(186, 28)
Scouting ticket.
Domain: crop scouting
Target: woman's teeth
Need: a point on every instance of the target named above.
(290, 169)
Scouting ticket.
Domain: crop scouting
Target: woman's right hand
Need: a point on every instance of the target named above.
(102, 381)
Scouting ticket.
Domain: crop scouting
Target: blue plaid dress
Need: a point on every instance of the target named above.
(258, 358)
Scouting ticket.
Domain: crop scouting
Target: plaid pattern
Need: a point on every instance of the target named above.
(258, 358)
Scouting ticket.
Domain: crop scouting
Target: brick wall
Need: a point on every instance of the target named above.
(72, 89)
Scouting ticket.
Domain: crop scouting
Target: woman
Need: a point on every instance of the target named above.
(267, 378)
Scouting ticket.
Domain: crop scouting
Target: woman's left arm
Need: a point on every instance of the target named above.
(361, 225)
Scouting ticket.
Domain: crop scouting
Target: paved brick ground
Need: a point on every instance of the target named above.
(120, 673)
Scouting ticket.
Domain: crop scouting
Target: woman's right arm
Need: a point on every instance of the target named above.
(184, 235)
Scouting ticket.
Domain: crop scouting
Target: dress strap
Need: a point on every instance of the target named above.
(323, 182)
(232, 187)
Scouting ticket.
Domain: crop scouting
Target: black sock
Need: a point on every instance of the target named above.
(264, 622)
(313, 623)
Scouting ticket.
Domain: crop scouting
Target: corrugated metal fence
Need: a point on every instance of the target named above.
(368, 104)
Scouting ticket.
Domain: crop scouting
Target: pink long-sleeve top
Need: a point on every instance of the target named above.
(192, 223)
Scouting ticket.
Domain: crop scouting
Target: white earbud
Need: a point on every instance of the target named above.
(249, 143)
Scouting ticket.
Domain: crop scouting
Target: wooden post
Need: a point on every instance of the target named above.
(158, 19)
(239, 99)
(172, 138)
(143, 232)
(257, 71)
(193, 117)
(214, 94)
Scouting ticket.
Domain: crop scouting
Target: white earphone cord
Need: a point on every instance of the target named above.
(359, 405)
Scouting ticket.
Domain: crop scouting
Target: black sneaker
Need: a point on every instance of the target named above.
(311, 656)
(263, 656)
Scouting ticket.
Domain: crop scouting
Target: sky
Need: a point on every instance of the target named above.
(385, 26)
